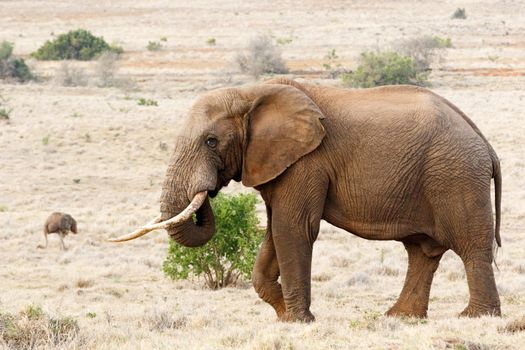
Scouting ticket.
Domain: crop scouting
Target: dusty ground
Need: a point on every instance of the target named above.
(104, 163)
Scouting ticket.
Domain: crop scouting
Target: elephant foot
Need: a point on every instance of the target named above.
(304, 316)
(280, 310)
(404, 311)
(478, 311)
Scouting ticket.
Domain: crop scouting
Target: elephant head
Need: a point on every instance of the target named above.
(249, 134)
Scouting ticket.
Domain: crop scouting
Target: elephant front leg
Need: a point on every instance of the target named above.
(265, 275)
(295, 277)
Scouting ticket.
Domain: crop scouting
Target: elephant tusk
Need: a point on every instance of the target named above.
(156, 224)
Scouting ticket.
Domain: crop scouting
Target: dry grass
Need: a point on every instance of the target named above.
(68, 75)
(130, 304)
(34, 329)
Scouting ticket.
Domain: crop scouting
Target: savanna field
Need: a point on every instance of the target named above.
(93, 139)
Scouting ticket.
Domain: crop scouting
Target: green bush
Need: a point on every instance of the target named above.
(385, 68)
(12, 67)
(77, 44)
(231, 252)
(154, 46)
(460, 13)
(6, 50)
(147, 102)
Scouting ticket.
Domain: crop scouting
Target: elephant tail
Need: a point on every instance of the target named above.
(496, 174)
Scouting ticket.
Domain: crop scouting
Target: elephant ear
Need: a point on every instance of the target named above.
(283, 125)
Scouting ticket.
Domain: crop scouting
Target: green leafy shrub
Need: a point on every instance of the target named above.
(6, 50)
(147, 102)
(385, 68)
(154, 46)
(442, 43)
(332, 66)
(231, 252)
(460, 13)
(77, 44)
(211, 41)
(261, 57)
(4, 112)
(11, 67)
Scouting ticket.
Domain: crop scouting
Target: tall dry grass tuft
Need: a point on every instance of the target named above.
(32, 328)
(261, 57)
(160, 320)
(66, 75)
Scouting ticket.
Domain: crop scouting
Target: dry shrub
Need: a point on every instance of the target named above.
(359, 278)
(514, 326)
(261, 57)
(160, 320)
(32, 328)
(321, 277)
(106, 69)
(425, 49)
(456, 275)
(113, 292)
(66, 75)
(386, 270)
(339, 261)
(84, 283)
(106, 72)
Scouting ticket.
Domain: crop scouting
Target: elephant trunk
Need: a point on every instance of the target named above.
(191, 233)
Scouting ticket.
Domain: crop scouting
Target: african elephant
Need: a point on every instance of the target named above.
(61, 224)
(388, 163)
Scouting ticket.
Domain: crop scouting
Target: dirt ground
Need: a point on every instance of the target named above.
(95, 153)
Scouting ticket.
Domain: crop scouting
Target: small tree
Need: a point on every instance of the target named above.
(77, 44)
(385, 68)
(12, 68)
(231, 252)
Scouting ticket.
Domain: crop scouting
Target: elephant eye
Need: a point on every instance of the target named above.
(211, 142)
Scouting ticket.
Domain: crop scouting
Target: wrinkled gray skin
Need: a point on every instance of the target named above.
(390, 163)
(61, 224)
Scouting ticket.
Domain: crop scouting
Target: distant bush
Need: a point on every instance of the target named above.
(4, 114)
(32, 328)
(66, 75)
(6, 50)
(211, 41)
(154, 46)
(77, 44)
(332, 66)
(12, 68)
(385, 68)
(147, 102)
(460, 13)
(424, 49)
(261, 57)
(229, 254)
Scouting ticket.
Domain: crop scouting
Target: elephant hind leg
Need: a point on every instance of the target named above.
(484, 298)
(422, 263)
